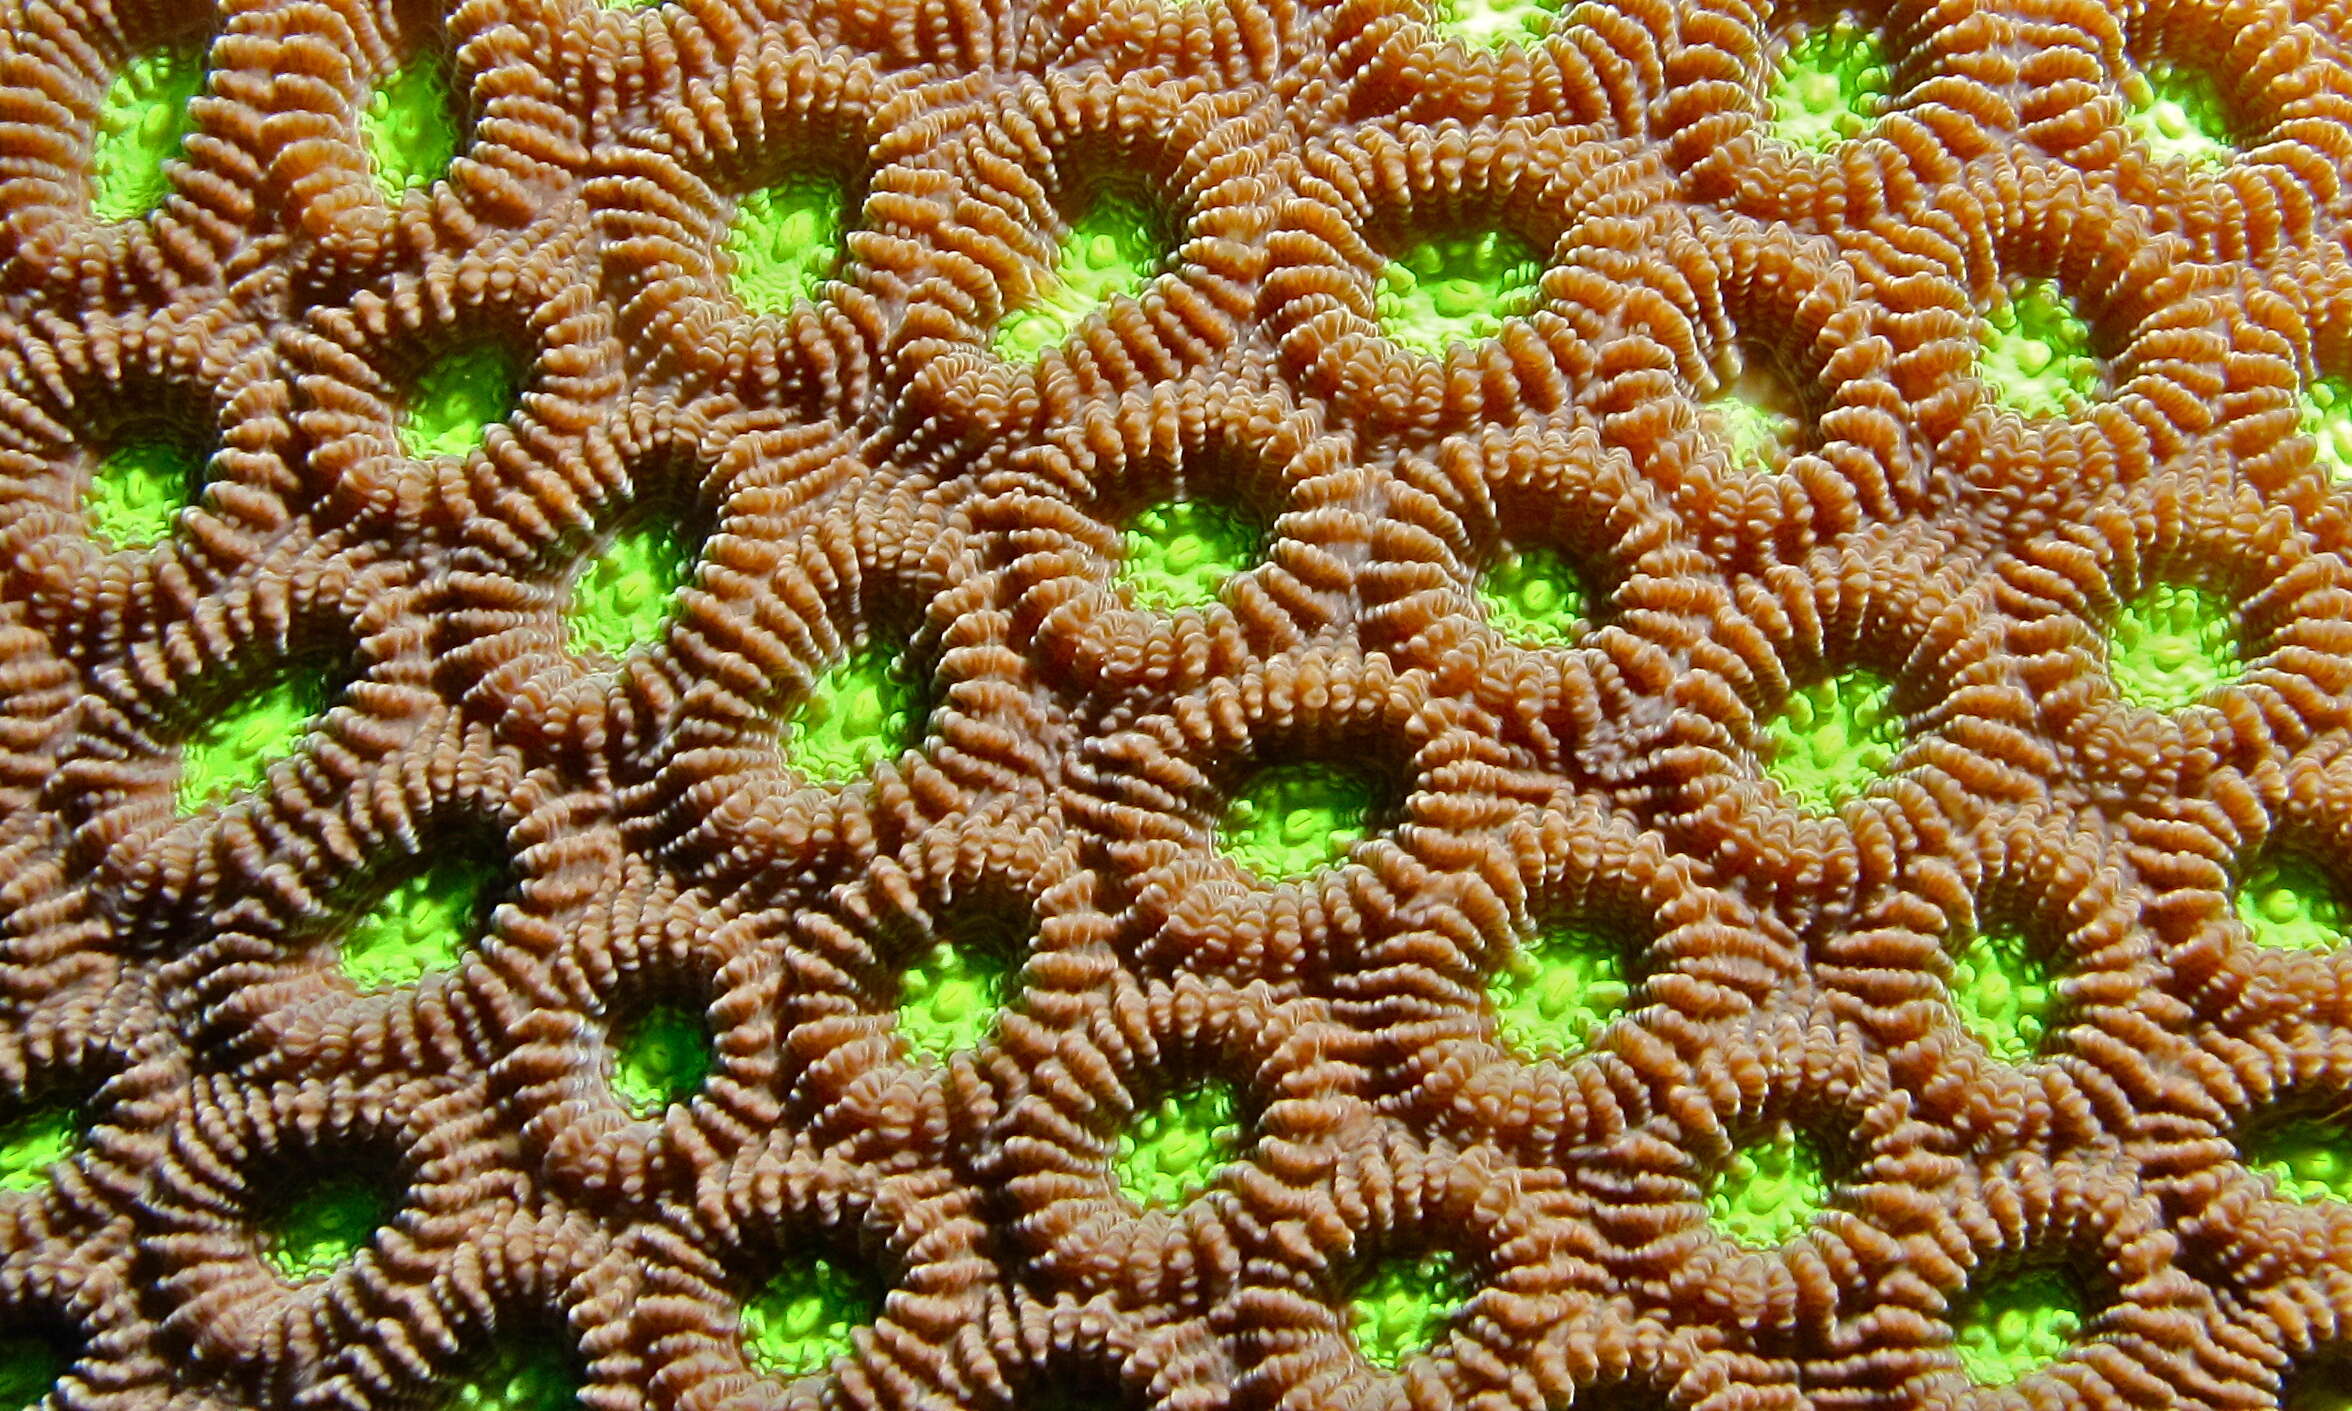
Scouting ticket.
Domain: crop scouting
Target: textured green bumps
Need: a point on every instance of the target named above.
(626, 593)
(1533, 596)
(784, 242)
(1553, 996)
(323, 1227)
(2288, 903)
(1178, 554)
(2036, 352)
(1834, 738)
(2018, 1325)
(1111, 251)
(232, 754)
(805, 1318)
(2179, 114)
(1403, 1309)
(2172, 645)
(1831, 84)
(1174, 1149)
(137, 492)
(142, 120)
(412, 126)
(1769, 1191)
(1457, 289)
(950, 996)
(2005, 995)
(660, 1059)
(1294, 818)
(34, 1141)
(860, 712)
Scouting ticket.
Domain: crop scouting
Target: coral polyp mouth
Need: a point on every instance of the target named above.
(1457, 289)
(1401, 1311)
(138, 490)
(1292, 819)
(1831, 84)
(1769, 1191)
(1174, 1150)
(2178, 112)
(784, 241)
(412, 126)
(1110, 250)
(2036, 352)
(2018, 1325)
(143, 120)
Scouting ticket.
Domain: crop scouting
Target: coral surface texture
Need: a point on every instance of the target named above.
(1176, 705)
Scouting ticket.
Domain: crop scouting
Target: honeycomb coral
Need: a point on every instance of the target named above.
(1180, 705)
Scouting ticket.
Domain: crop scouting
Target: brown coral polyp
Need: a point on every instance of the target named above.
(238, 1161)
(900, 1277)
(1165, 288)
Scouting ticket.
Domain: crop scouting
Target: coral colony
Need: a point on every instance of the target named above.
(1175, 705)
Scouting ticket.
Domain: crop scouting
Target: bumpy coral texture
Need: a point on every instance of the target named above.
(1176, 705)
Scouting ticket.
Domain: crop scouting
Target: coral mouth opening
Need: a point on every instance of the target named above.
(231, 754)
(2290, 903)
(31, 1142)
(2019, 1324)
(1173, 1150)
(2326, 417)
(1535, 597)
(1178, 554)
(423, 925)
(518, 1374)
(660, 1057)
(2178, 113)
(949, 998)
(1770, 1190)
(413, 125)
(1457, 288)
(1403, 1309)
(323, 1226)
(1832, 82)
(2006, 995)
(2035, 352)
(1834, 738)
(137, 491)
(805, 1319)
(1755, 414)
(1553, 996)
(626, 592)
(2173, 645)
(31, 1365)
(1111, 251)
(784, 241)
(1292, 819)
(1494, 24)
(456, 399)
(861, 711)
(143, 119)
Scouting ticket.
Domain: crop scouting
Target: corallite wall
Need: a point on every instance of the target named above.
(1175, 705)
